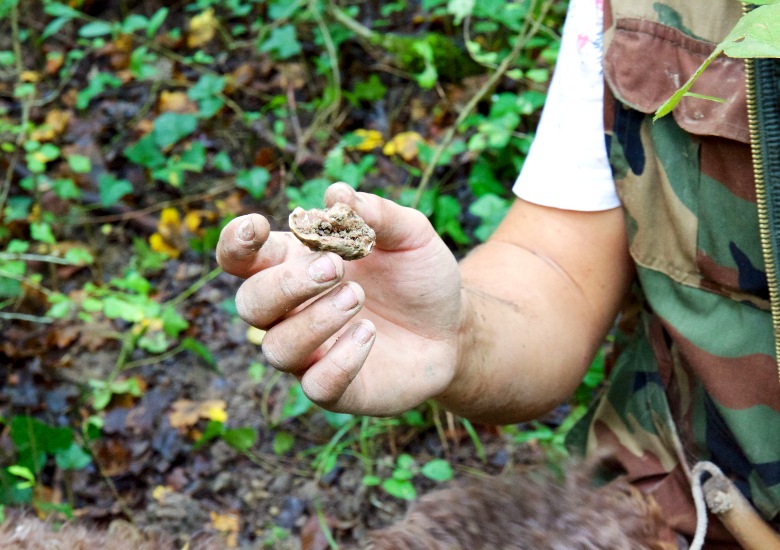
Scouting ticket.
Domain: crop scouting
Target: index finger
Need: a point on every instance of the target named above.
(247, 245)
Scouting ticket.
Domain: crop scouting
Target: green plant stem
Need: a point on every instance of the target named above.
(197, 285)
(9, 256)
(24, 317)
(25, 281)
(26, 102)
(522, 39)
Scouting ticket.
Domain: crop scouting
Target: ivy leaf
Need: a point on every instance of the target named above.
(202, 351)
(171, 127)
(72, 458)
(437, 470)
(112, 189)
(241, 439)
(283, 43)
(254, 181)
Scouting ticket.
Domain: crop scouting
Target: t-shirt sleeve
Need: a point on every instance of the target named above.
(567, 164)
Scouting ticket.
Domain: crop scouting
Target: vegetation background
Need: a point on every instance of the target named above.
(131, 132)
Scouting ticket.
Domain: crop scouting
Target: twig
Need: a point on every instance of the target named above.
(219, 189)
(523, 37)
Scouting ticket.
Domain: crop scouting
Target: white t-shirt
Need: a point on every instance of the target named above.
(567, 164)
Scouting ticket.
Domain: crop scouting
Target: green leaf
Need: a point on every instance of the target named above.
(41, 231)
(241, 439)
(146, 153)
(65, 188)
(371, 481)
(54, 27)
(254, 181)
(200, 350)
(79, 164)
(22, 472)
(154, 342)
(213, 429)
(7, 58)
(79, 256)
(156, 21)
(222, 162)
(95, 29)
(283, 442)
(57, 9)
(72, 458)
(173, 323)
(437, 470)
(115, 307)
(112, 189)
(282, 43)
(460, 9)
(756, 34)
(491, 209)
(400, 489)
(296, 403)
(171, 127)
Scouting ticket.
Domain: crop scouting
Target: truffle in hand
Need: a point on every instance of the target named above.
(338, 229)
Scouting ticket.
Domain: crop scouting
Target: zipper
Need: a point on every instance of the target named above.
(762, 77)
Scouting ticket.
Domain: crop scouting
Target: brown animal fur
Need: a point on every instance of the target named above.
(29, 533)
(522, 512)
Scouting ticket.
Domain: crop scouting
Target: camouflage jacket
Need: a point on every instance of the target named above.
(695, 375)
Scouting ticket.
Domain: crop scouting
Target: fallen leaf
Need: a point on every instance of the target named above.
(404, 144)
(168, 239)
(186, 413)
(202, 28)
(159, 492)
(175, 102)
(227, 524)
(371, 139)
(30, 76)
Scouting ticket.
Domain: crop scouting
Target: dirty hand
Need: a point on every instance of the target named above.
(402, 303)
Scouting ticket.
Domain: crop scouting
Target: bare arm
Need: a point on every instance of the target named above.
(505, 335)
(538, 299)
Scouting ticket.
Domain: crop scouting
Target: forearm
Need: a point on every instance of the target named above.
(532, 321)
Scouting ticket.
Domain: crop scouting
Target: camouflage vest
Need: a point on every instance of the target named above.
(695, 375)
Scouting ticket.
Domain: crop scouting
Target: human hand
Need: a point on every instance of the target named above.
(324, 315)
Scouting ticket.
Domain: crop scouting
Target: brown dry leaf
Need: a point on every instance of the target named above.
(54, 125)
(176, 102)
(228, 525)
(241, 77)
(113, 457)
(54, 62)
(186, 413)
(292, 75)
(202, 28)
(404, 144)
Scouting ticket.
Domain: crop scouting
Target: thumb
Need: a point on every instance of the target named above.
(397, 227)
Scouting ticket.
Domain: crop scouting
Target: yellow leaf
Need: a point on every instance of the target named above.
(217, 413)
(159, 493)
(227, 524)
(371, 140)
(202, 28)
(404, 144)
(186, 413)
(30, 76)
(158, 243)
(55, 123)
(170, 217)
(255, 336)
(192, 221)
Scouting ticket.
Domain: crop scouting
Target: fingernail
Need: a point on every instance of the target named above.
(246, 231)
(362, 335)
(322, 270)
(346, 299)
